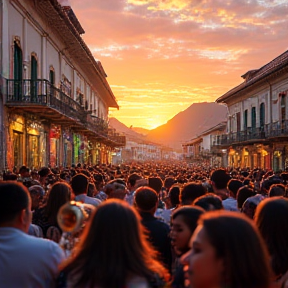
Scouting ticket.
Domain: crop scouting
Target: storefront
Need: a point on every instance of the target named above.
(15, 141)
(67, 148)
(54, 141)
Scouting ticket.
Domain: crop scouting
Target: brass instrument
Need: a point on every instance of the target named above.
(71, 218)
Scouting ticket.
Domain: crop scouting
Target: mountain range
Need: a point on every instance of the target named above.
(183, 127)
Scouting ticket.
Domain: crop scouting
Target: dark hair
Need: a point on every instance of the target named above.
(233, 186)
(174, 194)
(191, 191)
(272, 220)
(79, 184)
(277, 190)
(168, 182)
(242, 194)
(190, 215)
(220, 177)
(132, 178)
(95, 262)
(209, 202)
(237, 241)
(14, 198)
(58, 195)
(146, 198)
(91, 189)
(155, 183)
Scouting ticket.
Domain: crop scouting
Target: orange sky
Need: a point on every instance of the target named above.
(163, 55)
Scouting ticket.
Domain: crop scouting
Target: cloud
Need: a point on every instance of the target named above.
(177, 52)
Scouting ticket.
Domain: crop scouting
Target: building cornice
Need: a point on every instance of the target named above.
(53, 13)
(255, 77)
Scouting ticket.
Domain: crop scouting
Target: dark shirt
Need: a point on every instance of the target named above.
(159, 237)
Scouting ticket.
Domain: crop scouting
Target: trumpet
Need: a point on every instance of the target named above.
(71, 218)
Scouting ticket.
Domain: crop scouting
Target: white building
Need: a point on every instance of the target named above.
(202, 147)
(257, 134)
(54, 95)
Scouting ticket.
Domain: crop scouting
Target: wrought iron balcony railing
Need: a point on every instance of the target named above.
(42, 93)
(277, 129)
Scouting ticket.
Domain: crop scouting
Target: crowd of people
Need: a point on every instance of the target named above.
(148, 225)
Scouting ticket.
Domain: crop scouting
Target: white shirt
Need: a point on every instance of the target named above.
(88, 200)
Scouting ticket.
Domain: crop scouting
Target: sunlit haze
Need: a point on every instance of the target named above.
(161, 56)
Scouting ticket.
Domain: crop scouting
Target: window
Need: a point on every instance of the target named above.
(17, 71)
(245, 119)
(253, 117)
(262, 115)
(33, 78)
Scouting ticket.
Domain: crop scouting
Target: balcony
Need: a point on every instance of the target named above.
(41, 97)
(48, 102)
(252, 135)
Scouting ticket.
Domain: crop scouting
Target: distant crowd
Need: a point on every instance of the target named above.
(141, 225)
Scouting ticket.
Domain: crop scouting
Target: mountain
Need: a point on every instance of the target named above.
(189, 123)
(140, 130)
(122, 128)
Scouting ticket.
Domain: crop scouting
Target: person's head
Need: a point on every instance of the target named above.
(184, 222)
(190, 192)
(242, 194)
(272, 221)
(250, 205)
(44, 172)
(24, 172)
(168, 182)
(219, 180)
(227, 251)
(105, 248)
(15, 206)
(155, 183)
(233, 186)
(91, 191)
(173, 195)
(131, 181)
(209, 202)
(58, 195)
(37, 194)
(79, 184)
(277, 190)
(146, 199)
(118, 190)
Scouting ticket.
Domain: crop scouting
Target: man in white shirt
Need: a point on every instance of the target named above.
(25, 261)
(79, 184)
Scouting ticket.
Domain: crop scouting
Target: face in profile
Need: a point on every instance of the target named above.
(205, 270)
(180, 235)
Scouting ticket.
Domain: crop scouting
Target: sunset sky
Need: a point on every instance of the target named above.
(161, 56)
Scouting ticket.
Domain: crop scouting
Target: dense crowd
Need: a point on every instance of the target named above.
(153, 224)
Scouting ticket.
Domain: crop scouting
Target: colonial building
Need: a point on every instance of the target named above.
(54, 97)
(202, 148)
(257, 134)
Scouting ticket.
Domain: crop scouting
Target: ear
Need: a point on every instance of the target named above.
(23, 216)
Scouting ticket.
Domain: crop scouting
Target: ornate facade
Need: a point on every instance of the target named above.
(257, 134)
(54, 95)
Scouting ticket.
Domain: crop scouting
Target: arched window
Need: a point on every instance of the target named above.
(52, 76)
(17, 71)
(34, 76)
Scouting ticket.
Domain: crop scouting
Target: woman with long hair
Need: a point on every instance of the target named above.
(184, 222)
(46, 216)
(272, 221)
(227, 250)
(113, 252)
